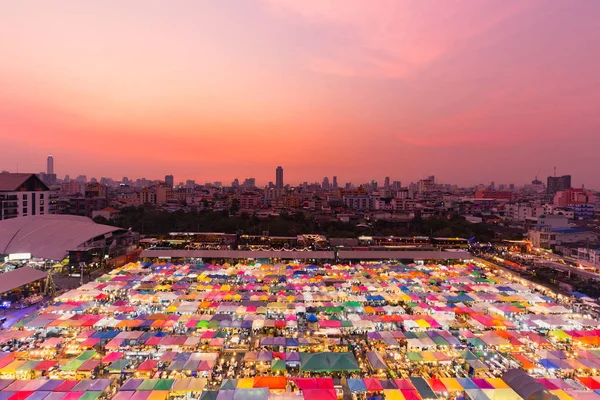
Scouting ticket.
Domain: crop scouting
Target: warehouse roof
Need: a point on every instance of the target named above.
(48, 236)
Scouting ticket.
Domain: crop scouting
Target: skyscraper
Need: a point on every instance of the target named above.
(386, 184)
(169, 180)
(325, 184)
(558, 184)
(335, 184)
(50, 165)
(279, 177)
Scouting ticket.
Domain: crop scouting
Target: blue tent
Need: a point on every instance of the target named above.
(357, 385)
(467, 383)
(580, 295)
(312, 318)
(546, 363)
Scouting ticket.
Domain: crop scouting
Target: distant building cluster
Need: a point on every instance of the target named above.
(551, 214)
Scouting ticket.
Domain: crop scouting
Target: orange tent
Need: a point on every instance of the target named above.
(271, 382)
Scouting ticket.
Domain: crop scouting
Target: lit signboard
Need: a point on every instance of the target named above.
(19, 256)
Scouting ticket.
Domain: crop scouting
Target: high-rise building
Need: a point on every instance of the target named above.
(325, 184)
(279, 177)
(386, 184)
(249, 183)
(169, 181)
(558, 183)
(50, 165)
(335, 184)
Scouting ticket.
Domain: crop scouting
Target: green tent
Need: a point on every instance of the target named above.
(202, 324)
(345, 362)
(147, 385)
(28, 366)
(229, 384)
(476, 342)
(209, 395)
(440, 341)
(467, 355)
(213, 324)
(328, 362)
(90, 395)
(414, 356)
(118, 365)
(164, 384)
(277, 365)
(73, 365)
(347, 324)
(87, 355)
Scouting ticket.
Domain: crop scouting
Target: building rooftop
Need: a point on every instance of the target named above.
(19, 277)
(11, 182)
(48, 236)
(568, 230)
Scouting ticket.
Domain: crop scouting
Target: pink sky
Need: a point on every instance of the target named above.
(470, 91)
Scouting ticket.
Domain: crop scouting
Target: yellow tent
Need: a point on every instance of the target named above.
(245, 383)
(452, 384)
(561, 394)
(393, 394)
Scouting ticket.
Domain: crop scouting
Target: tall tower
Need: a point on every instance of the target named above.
(279, 177)
(50, 165)
(386, 184)
(169, 181)
(335, 183)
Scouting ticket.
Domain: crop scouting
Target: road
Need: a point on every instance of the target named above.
(13, 316)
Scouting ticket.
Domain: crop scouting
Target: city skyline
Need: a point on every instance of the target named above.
(468, 91)
(170, 180)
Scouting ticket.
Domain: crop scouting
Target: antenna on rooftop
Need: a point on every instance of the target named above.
(555, 170)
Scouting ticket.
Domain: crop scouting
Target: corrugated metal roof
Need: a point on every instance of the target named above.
(48, 236)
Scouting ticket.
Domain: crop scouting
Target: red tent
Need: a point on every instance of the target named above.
(589, 382)
(21, 395)
(45, 365)
(405, 384)
(319, 394)
(372, 384)
(66, 386)
(410, 394)
(147, 365)
(437, 385)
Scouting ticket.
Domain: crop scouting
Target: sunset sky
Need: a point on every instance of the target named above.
(469, 91)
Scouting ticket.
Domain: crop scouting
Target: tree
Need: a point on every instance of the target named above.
(235, 206)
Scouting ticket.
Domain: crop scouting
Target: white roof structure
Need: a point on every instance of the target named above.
(48, 236)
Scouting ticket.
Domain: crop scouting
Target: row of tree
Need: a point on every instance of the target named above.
(153, 221)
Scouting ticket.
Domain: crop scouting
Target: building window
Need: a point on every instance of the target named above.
(41, 195)
(24, 211)
(41, 209)
(24, 197)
